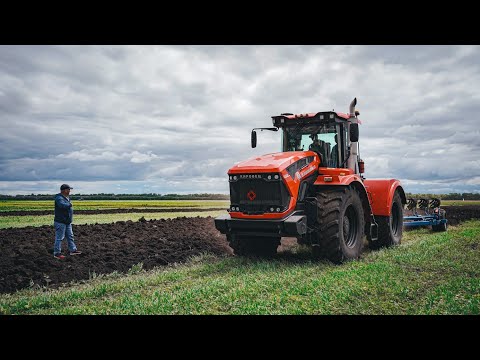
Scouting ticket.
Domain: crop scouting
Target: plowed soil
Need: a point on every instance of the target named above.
(104, 211)
(26, 254)
(457, 214)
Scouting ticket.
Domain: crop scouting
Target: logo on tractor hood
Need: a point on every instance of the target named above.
(251, 195)
(250, 176)
(307, 170)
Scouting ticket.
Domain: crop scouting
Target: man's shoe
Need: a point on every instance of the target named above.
(59, 256)
(76, 252)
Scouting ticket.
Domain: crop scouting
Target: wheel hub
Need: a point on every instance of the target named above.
(346, 226)
(350, 226)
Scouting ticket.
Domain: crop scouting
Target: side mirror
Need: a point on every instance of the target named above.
(254, 139)
(353, 132)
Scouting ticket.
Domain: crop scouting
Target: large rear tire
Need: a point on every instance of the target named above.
(390, 228)
(253, 245)
(340, 224)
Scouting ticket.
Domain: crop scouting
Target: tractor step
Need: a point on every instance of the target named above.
(374, 231)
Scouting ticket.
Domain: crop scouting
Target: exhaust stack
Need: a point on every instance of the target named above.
(352, 162)
(352, 107)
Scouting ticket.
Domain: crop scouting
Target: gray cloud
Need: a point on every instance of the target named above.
(175, 118)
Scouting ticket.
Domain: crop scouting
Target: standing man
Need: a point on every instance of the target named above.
(63, 223)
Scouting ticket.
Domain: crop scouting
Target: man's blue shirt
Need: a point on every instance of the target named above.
(63, 209)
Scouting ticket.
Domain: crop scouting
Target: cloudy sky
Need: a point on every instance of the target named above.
(173, 119)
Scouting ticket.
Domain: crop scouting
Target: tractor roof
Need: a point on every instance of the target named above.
(290, 119)
(311, 115)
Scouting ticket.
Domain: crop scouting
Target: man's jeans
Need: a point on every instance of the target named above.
(60, 231)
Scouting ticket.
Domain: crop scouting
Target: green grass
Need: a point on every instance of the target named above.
(460, 202)
(27, 205)
(40, 220)
(430, 273)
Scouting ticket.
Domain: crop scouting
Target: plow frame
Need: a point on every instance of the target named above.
(425, 220)
(435, 218)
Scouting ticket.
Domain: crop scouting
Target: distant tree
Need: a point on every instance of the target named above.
(103, 196)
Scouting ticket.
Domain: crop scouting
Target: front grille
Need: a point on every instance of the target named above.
(255, 194)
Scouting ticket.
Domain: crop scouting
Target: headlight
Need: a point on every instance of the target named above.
(278, 209)
(276, 177)
(235, 177)
(269, 177)
(272, 209)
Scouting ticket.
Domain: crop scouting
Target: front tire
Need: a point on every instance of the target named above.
(390, 228)
(340, 224)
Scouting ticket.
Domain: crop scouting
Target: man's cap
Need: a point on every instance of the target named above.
(65, 186)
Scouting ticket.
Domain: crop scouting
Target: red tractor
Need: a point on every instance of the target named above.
(313, 190)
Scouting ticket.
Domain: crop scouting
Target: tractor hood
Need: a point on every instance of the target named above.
(275, 162)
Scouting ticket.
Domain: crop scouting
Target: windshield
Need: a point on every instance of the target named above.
(318, 138)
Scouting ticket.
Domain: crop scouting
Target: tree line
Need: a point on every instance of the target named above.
(103, 196)
(451, 196)
(154, 196)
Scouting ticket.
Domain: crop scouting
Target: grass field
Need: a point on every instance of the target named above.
(40, 220)
(430, 273)
(460, 202)
(27, 205)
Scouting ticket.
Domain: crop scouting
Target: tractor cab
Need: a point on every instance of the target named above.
(332, 135)
(324, 133)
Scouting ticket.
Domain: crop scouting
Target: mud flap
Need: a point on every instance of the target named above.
(374, 231)
(311, 209)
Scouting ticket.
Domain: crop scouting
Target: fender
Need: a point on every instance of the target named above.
(381, 192)
(346, 177)
(334, 176)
